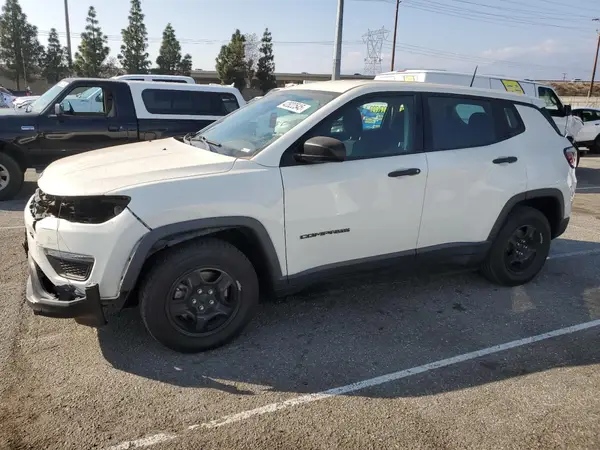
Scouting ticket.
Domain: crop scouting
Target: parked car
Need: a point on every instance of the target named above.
(82, 114)
(567, 123)
(22, 102)
(589, 135)
(198, 229)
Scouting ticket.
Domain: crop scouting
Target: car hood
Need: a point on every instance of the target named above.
(110, 169)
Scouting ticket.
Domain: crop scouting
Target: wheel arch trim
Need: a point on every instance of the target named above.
(515, 200)
(167, 235)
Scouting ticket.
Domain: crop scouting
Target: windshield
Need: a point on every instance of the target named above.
(250, 129)
(41, 103)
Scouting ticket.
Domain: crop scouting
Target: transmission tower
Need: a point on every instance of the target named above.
(374, 40)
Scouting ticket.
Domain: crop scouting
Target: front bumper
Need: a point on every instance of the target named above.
(46, 299)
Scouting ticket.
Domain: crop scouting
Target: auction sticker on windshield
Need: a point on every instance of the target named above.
(293, 106)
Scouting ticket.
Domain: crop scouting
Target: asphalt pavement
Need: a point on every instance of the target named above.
(424, 360)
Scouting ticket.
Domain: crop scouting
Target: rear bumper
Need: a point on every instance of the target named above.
(64, 301)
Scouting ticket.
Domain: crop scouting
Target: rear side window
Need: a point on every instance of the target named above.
(511, 120)
(188, 103)
(460, 122)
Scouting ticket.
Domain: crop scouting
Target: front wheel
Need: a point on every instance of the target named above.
(520, 250)
(199, 296)
(11, 177)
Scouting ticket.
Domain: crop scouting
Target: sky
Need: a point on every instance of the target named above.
(539, 39)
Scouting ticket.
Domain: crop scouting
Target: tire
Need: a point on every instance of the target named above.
(156, 301)
(595, 147)
(11, 177)
(496, 269)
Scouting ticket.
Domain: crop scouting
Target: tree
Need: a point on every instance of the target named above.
(231, 65)
(265, 72)
(111, 68)
(92, 50)
(133, 56)
(55, 64)
(169, 55)
(20, 50)
(185, 66)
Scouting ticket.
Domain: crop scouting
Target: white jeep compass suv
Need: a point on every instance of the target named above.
(372, 173)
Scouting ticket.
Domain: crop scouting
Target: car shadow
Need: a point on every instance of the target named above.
(20, 200)
(373, 324)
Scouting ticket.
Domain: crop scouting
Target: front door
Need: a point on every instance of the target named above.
(87, 122)
(363, 209)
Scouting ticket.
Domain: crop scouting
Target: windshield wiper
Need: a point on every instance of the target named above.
(214, 144)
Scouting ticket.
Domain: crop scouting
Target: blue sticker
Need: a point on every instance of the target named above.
(27, 128)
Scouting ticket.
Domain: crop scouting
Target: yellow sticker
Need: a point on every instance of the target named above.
(513, 86)
(409, 78)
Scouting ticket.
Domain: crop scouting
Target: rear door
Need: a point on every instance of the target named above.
(81, 127)
(475, 167)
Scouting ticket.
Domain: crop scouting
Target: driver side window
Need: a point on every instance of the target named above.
(378, 127)
(85, 101)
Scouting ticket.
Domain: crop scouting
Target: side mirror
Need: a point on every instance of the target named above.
(568, 110)
(321, 149)
(58, 109)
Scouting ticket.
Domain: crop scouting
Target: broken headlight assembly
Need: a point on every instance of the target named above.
(93, 210)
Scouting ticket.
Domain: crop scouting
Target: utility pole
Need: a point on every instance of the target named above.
(595, 61)
(395, 32)
(70, 55)
(337, 52)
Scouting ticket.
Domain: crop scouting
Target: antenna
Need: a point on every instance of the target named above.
(473, 79)
(374, 40)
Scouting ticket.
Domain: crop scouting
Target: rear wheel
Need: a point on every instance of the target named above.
(520, 250)
(595, 147)
(11, 177)
(199, 296)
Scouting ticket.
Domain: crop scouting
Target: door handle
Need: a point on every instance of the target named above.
(505, 159)
(404, 173)
(115, 128)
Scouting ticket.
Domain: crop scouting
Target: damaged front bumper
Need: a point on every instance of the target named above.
(46, 299)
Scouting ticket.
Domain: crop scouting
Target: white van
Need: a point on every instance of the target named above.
(159, 78)
(568, 124)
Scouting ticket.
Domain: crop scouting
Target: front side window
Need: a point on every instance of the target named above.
(86, 100)
(382, 126)
(250, 129)
(553, 104)
(457, 122)
(589, 115)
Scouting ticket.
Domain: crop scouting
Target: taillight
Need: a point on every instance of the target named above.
(571, 156)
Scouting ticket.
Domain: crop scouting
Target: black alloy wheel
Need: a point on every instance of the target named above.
(202, 302)
(522, 247)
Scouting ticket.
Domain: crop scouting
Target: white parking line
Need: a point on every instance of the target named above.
(12, 228)
(349, 388)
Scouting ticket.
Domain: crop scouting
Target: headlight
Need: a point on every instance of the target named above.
(97, 209)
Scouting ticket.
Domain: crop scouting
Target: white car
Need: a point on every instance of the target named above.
(589, 135)
(198, 230)
(22, 102)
